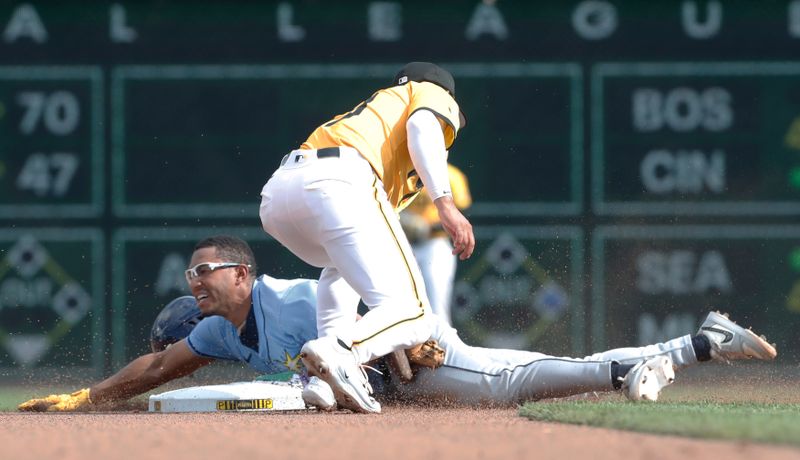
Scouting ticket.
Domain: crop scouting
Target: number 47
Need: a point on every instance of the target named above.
(36, 175)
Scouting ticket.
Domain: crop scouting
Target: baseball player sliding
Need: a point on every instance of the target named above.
(265, 322)
(334, 201)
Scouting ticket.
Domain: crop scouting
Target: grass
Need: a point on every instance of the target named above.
(758, 422)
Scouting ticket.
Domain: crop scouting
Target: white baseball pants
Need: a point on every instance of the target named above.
(333, 213)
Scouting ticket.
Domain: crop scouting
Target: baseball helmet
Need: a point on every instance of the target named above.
(174, 323)
(426, 71)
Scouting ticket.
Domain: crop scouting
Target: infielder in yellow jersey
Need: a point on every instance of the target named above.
(334, 202)
(431, 245)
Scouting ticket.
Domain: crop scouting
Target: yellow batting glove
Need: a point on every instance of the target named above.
(58, 403)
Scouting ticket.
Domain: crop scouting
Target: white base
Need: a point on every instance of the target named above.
(257, 396)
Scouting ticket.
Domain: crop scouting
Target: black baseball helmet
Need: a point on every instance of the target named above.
(427, 71)
(174, 323)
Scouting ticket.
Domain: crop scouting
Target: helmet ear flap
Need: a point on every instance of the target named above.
(174, 323)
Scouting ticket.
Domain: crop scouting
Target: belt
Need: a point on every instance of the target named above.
(328, 152)
(298, 156)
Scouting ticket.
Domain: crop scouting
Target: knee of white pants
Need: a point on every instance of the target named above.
(425, 327)
(390, 327)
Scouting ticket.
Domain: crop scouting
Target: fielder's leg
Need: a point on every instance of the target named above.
(337, 303)
(371, 252)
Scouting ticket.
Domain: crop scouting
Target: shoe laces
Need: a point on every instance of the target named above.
(362, 368)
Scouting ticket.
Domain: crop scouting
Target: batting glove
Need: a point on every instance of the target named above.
(79, 400)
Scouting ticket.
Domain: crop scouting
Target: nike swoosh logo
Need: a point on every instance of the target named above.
(728, 335)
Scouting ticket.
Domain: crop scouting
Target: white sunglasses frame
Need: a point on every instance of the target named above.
(191, 273)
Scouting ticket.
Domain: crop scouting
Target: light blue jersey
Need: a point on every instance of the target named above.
(282, 320)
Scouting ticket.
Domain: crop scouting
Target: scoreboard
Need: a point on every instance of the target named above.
(696, 139)
(51, 142)
(221, 158)
(632, 164)
(668, 277)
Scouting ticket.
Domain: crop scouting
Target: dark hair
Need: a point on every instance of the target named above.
(231, 249)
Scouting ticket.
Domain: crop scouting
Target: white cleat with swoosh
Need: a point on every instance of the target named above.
(335, 364)
(730, 341)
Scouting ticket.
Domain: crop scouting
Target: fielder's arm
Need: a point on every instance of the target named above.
(140, 375)
(427, 150)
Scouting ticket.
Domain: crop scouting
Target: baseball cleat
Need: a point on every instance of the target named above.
(730, 341)
(646, 379)
(319, 394)
(337, 366)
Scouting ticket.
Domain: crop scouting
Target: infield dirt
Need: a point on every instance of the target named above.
(405, 432)
(400, 432)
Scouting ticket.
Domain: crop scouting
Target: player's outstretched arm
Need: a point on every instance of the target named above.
(140, 375)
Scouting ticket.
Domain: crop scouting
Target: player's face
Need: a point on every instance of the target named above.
(213, 288)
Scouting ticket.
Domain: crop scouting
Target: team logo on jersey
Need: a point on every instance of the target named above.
(291, 363)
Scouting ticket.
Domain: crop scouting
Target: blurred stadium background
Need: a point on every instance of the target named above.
(633, 164)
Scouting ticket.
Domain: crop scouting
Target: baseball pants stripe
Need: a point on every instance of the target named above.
(361, 341)
(405, 252)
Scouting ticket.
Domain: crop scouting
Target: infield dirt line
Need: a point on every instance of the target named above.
(400, 432)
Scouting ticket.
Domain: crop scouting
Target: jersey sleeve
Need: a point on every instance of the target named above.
(207, 339)
(428, 96)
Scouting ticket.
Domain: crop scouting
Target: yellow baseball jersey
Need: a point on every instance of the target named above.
(424, 207)
(377, 129)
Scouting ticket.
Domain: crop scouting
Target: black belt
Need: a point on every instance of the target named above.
(328, 152)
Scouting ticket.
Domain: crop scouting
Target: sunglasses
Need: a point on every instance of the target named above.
(208, 267)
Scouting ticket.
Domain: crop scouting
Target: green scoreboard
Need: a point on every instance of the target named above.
(632, 164)
(52, 298)
(218, 132)
(51, 142)
(523, 289)
(696, 139)
(658, 282)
